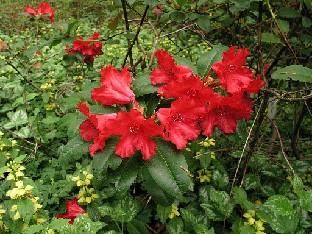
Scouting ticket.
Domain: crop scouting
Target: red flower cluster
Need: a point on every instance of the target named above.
(88, 48)
(196, 106)
(43, 9)
(73, 210)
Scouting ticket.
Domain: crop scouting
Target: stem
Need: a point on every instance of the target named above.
(129, 52)
(124, 8)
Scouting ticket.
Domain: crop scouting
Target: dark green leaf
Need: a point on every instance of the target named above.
(288, 12)
(251, 181)
(142, 85)
(206, 60)
(240, 197)
(136, 227)
(203, 22)
(26, 208)
(166, 169)
(203, 229)
(175, 226)
(294, 72)
(33, 229)
(177, 16)
(270, 38)
(163, 212)
(188, 216)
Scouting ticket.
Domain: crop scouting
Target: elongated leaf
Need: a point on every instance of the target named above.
(205, 62)
(101, 161)
(166, 169)
(74, 149)
(294, 72)
(142, 85)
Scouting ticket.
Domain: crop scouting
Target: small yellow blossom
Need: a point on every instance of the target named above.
(204, 175)
(174, 211)
(17, 215)
(49, 231)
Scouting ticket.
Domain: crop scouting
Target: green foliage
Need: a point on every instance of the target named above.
(41, 146)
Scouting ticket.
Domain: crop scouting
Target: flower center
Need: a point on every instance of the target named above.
(231, 68)
(170, 72)
(134, 129)
(191, 93)
(176, 118)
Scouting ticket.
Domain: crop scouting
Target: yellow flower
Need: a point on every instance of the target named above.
(174, 211)
(17, 215)
(49, 231)
(204, 175)
(2, 211)
(40, 220)
(14, 208)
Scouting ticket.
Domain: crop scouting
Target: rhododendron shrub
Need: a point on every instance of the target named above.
(195, 105)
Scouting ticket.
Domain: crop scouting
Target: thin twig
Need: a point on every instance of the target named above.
(136, 36)
(282, 147)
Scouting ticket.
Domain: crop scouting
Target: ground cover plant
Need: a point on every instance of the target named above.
(161, 116)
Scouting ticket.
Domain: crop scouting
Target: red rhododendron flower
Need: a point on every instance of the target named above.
(168, 70)
(255, 85)
(180, 122)
(191, 87)
(135, 133)
(94, 128)
(73, 210)
(232, 76)
(89, 48)
(43, 9)
(115, 87)
(223, 113)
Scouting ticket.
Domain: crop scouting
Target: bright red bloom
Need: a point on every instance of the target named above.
(168, 70)
(89, 48)
(255, 85)
(73, 210)
(191, 87)
(224, 111)
(94, 128)
(115, 87)
(43, 9)
(135, 132)
(181, 122)
(232, 76)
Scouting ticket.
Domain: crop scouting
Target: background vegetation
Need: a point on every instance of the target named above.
(255, 181)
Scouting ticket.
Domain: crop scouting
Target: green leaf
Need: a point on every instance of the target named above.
(136, 227)
(305, 199)
(17, 118)
(294, 72)
(124, 210)
(157, 193)
(270, 38)
(166, 169)
(251, 181)
(33, 229)
(206, 60)
(203, 22)
(142, 85)
(101, 161)
(220, 178)
(279, 223)
(247, 229)
(185, 62)
(24, 132)
(26, 208)
(297, 184)
(280, 205)
(188, 216)
(163, 212)
(203, 229)
(74, 149)
(288, 12)
(175, 226)
(181, 2)
(177, 16)
(240, 197)
(284, 25)
(219, 207)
